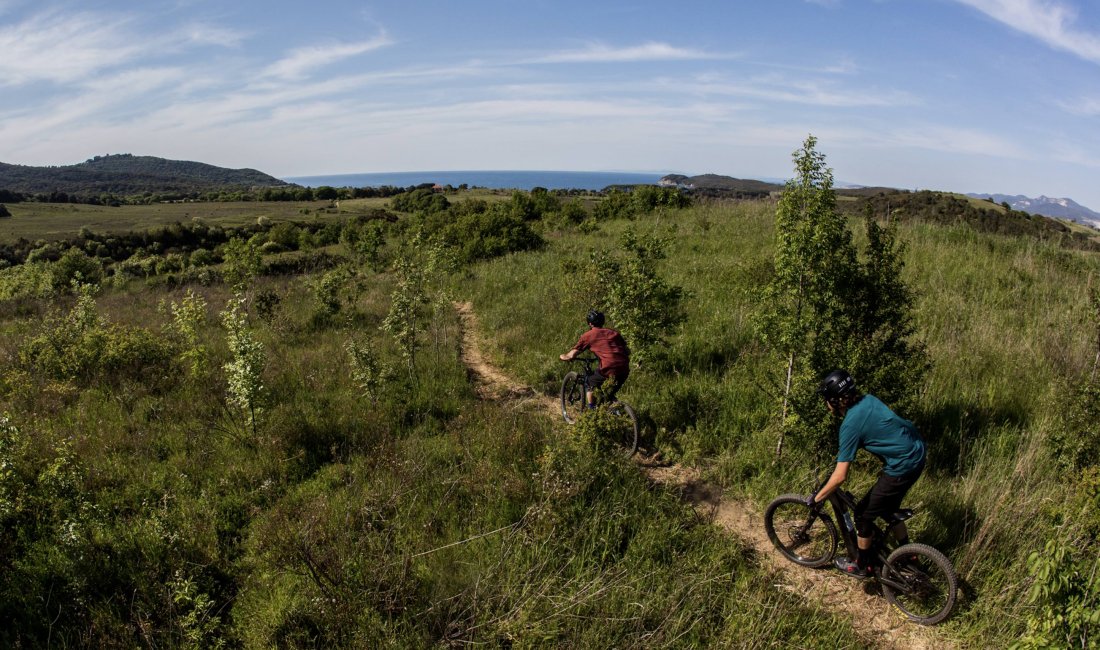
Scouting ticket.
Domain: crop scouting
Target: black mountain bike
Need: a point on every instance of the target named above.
(916, 579)
(574, 403)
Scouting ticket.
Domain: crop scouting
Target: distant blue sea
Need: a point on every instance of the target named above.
(519, 180)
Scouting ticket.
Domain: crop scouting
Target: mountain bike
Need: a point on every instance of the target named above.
(918, 580)
(574, 403)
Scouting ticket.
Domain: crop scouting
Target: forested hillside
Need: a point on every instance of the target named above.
(124, 175)
(263, 435)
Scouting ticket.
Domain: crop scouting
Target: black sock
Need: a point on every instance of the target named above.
(864, 557)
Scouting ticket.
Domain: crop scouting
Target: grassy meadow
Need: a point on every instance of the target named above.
(367, 497)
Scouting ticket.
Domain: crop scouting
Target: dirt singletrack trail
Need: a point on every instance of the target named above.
(877, 623)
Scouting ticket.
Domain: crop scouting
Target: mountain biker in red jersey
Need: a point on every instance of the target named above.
(869, 424)
(611, 349)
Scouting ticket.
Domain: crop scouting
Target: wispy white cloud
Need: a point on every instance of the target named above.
(61, 47)
(951, 139)
(1084, 107)
(782, 89)
(1050, 21)
(303, 60)
(74, 48)
(652, 51)
(205, 34)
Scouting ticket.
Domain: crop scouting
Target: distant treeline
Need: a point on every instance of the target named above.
(232, 194)
(947, 209)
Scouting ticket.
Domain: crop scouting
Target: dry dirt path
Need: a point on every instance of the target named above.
(874, 619)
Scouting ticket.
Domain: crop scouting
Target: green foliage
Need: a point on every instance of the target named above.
(573, 212)
(647, 198)
(75, 266)
(420, 200)
(32, 280)
(645, 307)
(244, 370)
(1065, 592)
(82, 348)
(404, 322)
(824, 309)
(366, 242)
(328, 291)
(1076, 441)
(188, 317)
(495, 231)
(47, 524)
(243, 263)
(369, 373)
(600, 428)
(616, 204)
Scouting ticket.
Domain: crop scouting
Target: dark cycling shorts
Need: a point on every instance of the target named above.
(883, 499)
(597, 379)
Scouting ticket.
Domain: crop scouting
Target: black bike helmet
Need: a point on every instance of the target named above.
(836, 384)
(595, 317)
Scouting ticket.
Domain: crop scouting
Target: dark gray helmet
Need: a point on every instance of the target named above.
(836, 384)
(595, 317)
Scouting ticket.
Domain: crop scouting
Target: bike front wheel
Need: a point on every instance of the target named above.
(804, 536)
(626, 427)
(572, 397)
(921, 583)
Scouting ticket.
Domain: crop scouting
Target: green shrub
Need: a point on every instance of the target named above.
(420, 200)
(1065, 592)
(492, 233)
(75, 265)
(81, 348)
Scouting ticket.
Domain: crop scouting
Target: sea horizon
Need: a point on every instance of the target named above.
(493, 179)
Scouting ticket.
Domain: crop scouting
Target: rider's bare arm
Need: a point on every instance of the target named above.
(569, 355)
(838, 476)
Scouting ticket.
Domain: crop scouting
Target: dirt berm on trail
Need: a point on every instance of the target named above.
(876, 621)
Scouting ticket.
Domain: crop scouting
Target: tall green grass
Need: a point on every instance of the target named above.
(1006, 322)
(138, 513)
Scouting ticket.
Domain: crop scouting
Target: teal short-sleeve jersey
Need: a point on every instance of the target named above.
(871, 425)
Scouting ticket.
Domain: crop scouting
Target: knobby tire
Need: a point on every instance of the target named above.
(572, 397)
(805, 537)
(930, 583)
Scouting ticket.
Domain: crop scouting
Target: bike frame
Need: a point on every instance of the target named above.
(587, 362)
(844, 504)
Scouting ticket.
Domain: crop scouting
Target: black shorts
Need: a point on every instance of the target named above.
(597, 379)
(883, 499)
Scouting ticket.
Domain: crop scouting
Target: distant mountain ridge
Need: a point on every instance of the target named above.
(719, 182)
(1048, 207)
(127, 174)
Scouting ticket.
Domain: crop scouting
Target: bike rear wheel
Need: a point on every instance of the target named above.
(804, 536)
(921, 583)
(572, 397)
(626, 427)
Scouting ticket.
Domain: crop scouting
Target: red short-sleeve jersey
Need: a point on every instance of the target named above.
(609, 347)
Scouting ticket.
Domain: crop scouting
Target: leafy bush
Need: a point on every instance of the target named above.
(75, 265)
(81, 348)
(33, 280)
(615, 205)
(491, 233)
(643, 306)
(1076, 442)
(244, 370)
(1065, 592)
(420, 200)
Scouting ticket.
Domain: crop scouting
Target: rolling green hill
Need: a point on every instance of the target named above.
(126, 174)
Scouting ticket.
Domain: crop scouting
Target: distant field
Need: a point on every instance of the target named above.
(52, 221)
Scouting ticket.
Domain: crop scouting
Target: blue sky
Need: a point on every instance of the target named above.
(960, 95)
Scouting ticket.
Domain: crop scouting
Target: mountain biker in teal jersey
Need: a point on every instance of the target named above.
(869, 424)
(610, 348)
